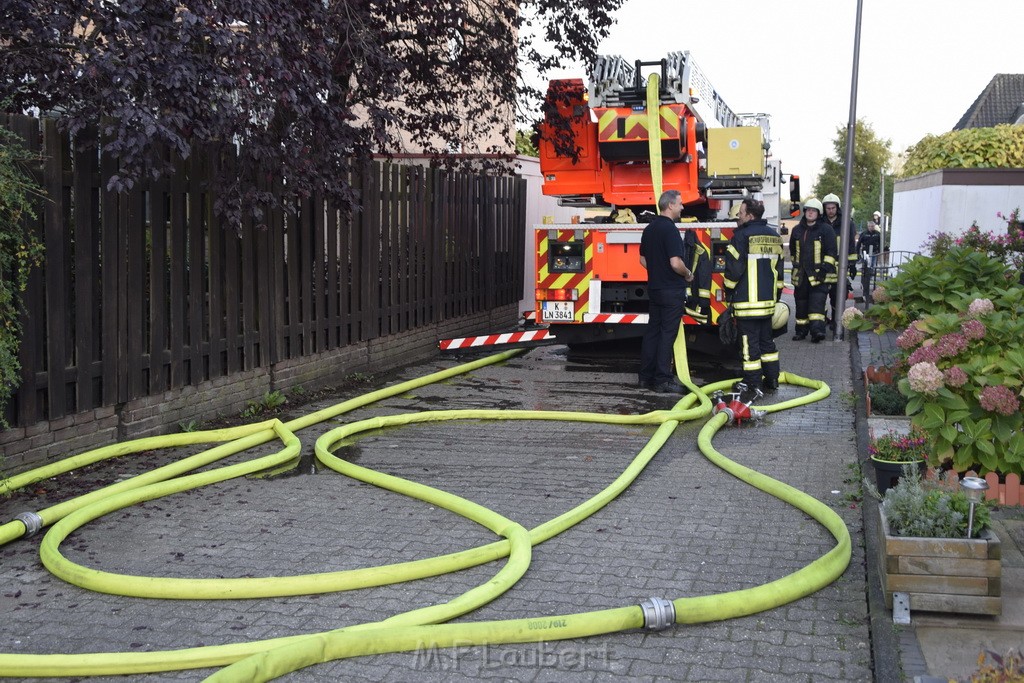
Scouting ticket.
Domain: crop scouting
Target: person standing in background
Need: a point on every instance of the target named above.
(812, 248)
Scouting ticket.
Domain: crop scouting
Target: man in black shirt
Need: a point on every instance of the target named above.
(663, 254)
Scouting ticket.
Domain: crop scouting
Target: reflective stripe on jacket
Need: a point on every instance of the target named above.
(813, 253)
(753, 269)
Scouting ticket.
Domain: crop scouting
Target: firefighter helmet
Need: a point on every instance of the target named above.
(780, 316)
(813, 203)
(831, 198)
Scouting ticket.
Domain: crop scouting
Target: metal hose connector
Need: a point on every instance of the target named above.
(32, 521)
(659, 614)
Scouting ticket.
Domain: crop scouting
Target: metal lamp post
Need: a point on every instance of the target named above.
(974, 488)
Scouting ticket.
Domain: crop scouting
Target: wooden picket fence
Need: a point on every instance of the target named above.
(146, 290)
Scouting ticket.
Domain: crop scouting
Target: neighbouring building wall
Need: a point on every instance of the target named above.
(538, 205)
(951, 200)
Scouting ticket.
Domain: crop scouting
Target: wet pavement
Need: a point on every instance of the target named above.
(684, 528)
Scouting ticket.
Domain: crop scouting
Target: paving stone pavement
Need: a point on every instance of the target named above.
(684, 528)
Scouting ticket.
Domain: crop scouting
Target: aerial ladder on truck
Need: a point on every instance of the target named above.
(617, 143)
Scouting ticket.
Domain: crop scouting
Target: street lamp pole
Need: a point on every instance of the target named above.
(844, 239)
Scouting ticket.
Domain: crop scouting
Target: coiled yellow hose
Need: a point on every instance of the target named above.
(418, 628)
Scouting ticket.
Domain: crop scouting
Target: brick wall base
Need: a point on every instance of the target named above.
(23, 448)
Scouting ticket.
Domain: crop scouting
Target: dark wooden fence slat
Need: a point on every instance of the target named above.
(488, 228)
(304, 228)
(215, 281)
(158, 303)
(386, 252)
(319, 322)
(56, 304)
(405, 268)
(435, 236)
(135, 295)
(178, 267)
(86, 168)
(196, 263)
(255, 308)
(294, 273)
(370, 230)
(234, 291)
(332, 318)
(356, 260)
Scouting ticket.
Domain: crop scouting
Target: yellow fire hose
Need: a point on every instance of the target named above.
(418, 628)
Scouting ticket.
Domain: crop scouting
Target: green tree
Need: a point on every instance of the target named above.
(525, 144)
(871, 155)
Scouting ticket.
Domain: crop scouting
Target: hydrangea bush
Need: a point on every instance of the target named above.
(960, 318)
(965, 379)
(932, 284)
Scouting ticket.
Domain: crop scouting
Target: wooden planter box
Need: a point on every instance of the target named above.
(941, 574)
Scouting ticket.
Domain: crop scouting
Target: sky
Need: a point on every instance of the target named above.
(922, 62)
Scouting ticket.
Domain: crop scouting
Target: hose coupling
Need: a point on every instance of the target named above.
(32, 521)
(659, 614)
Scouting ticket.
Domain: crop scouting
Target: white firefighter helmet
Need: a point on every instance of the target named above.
(831, 198)
(780, 316)
(813, 203)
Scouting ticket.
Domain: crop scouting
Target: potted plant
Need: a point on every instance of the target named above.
(927, 552)
(891, 451)
(886, 399)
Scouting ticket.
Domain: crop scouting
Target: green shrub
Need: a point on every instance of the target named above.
(933, 284)
(914, 507)
(998, 147)
(887, 400)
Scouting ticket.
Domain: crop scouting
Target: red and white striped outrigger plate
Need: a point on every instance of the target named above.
(620, 318)
(495, 339)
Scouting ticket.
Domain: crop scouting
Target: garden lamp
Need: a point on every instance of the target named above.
(974, 488)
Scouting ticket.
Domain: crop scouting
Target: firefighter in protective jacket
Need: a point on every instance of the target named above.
(812, 247)
(753, 278)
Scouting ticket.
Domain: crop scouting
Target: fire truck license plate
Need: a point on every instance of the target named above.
(557, 311)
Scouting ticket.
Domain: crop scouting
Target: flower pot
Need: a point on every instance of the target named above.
(961, 575)
(879, 374)
(887, 473)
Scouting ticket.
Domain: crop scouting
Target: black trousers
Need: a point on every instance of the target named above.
(666, 311)
(810, 308)
(758, 351)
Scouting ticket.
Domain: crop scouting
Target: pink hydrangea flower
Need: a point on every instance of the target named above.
(879, 295)
(980, 307)
(925, 354)
(950, 345)
(999, 399)
(910, 338)
(925, 378)
(955, 377)
(973, 329)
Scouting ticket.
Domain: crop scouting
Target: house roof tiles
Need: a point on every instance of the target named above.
(1002, 101)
